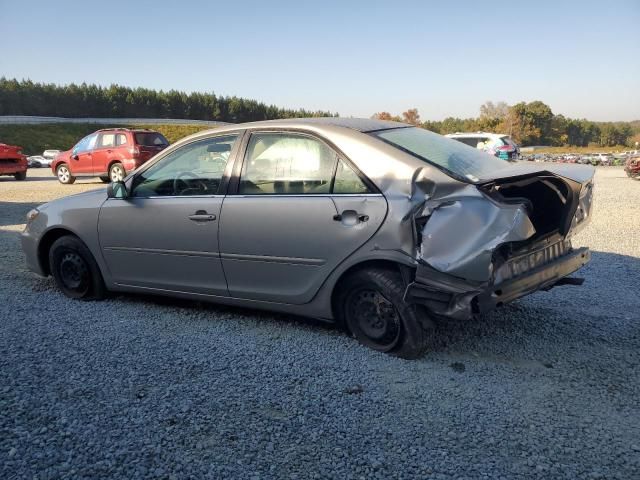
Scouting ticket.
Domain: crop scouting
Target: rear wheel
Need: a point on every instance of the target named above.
(372, 308)
(64, 174)
(105, 179)
(116, 172)
(20, 175)
(75, 270)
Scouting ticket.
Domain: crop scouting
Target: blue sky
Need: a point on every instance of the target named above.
(356, 58)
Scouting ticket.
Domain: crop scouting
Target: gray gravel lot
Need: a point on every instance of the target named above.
(143, 387)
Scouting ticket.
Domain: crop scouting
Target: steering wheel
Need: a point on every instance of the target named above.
(181, 180)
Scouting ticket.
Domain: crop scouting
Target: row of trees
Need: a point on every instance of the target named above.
(530, 123)
(87, 100)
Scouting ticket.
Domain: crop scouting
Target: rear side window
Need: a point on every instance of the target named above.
(286, 164)
(150, 139)
(348, 181)
(121, 139)
(106, 140)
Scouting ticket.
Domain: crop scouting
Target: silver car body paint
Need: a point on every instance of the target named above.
(286, 253)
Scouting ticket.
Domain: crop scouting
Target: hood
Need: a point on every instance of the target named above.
(90, 199)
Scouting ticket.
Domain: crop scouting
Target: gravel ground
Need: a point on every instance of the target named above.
(141, 387)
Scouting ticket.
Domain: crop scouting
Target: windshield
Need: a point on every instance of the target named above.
(151, 139)
(455, 158)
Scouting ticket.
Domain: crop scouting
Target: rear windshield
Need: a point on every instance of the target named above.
(151, 139)
(455, 158)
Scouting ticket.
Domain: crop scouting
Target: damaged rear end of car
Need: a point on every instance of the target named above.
(497, 240)
(487, 231)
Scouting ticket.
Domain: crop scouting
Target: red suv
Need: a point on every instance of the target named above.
(109, 154)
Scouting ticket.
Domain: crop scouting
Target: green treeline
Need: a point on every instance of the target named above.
(531, 123)
(86, 100)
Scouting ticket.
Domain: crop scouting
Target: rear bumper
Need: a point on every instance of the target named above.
(540, 278)
(452, 297)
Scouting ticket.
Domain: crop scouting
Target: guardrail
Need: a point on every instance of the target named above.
(31, 120)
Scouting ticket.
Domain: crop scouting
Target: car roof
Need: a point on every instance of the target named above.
(358, 124)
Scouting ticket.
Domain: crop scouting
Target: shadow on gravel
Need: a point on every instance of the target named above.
(14, 213)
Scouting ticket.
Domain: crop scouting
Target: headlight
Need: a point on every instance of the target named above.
(32, 215)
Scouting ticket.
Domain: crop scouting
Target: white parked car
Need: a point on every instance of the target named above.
(37, 161)
(496, 144)
(50, 155)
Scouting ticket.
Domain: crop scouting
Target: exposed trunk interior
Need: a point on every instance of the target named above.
(549, 200)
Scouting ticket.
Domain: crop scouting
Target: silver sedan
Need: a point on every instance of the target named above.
(379, 226)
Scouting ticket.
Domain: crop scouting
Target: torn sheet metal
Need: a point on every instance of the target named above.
(461, 234)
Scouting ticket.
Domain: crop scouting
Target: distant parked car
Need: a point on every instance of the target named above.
(50, 155)
(499, 145)
(109, 154)
(37, 161)
(12, 161)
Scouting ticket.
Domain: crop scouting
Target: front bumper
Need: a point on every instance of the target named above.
(30, 248)
(448, 296)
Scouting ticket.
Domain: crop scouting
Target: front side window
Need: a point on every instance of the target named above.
(286, 164)
(194, 169)
(453, 157)
(86, 144)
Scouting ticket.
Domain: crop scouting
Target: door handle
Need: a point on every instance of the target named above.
(350, 217)
(202, 216)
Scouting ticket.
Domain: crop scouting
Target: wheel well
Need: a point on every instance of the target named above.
(45, 245)
(405, 271)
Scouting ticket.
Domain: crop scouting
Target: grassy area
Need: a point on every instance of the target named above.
(34, 139)
(578, 150)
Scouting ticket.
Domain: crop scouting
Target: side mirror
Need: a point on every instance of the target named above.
(75, 156)
(117, 190)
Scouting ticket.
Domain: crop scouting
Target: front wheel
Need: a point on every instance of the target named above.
(116, 172)
(372, 308)
(64, 174)
(20, 175)
(75, 270)
(105, 179)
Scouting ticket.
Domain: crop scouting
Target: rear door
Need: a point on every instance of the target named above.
(165, 235)
(103, 152)
(283, 231)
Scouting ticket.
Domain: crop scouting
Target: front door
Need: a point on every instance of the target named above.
(165, 234)
(290, 224)
(82, 156)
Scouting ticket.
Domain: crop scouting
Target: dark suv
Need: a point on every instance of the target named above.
(109, 154)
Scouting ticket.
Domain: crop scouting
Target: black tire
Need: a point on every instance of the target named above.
(117, 172)
(105, 179)
(64, 174)
(75, 270)
(20, 175)
(371, 307)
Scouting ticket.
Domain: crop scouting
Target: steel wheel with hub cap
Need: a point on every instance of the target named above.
(75, 270)
(371, 306)
(64, 174)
